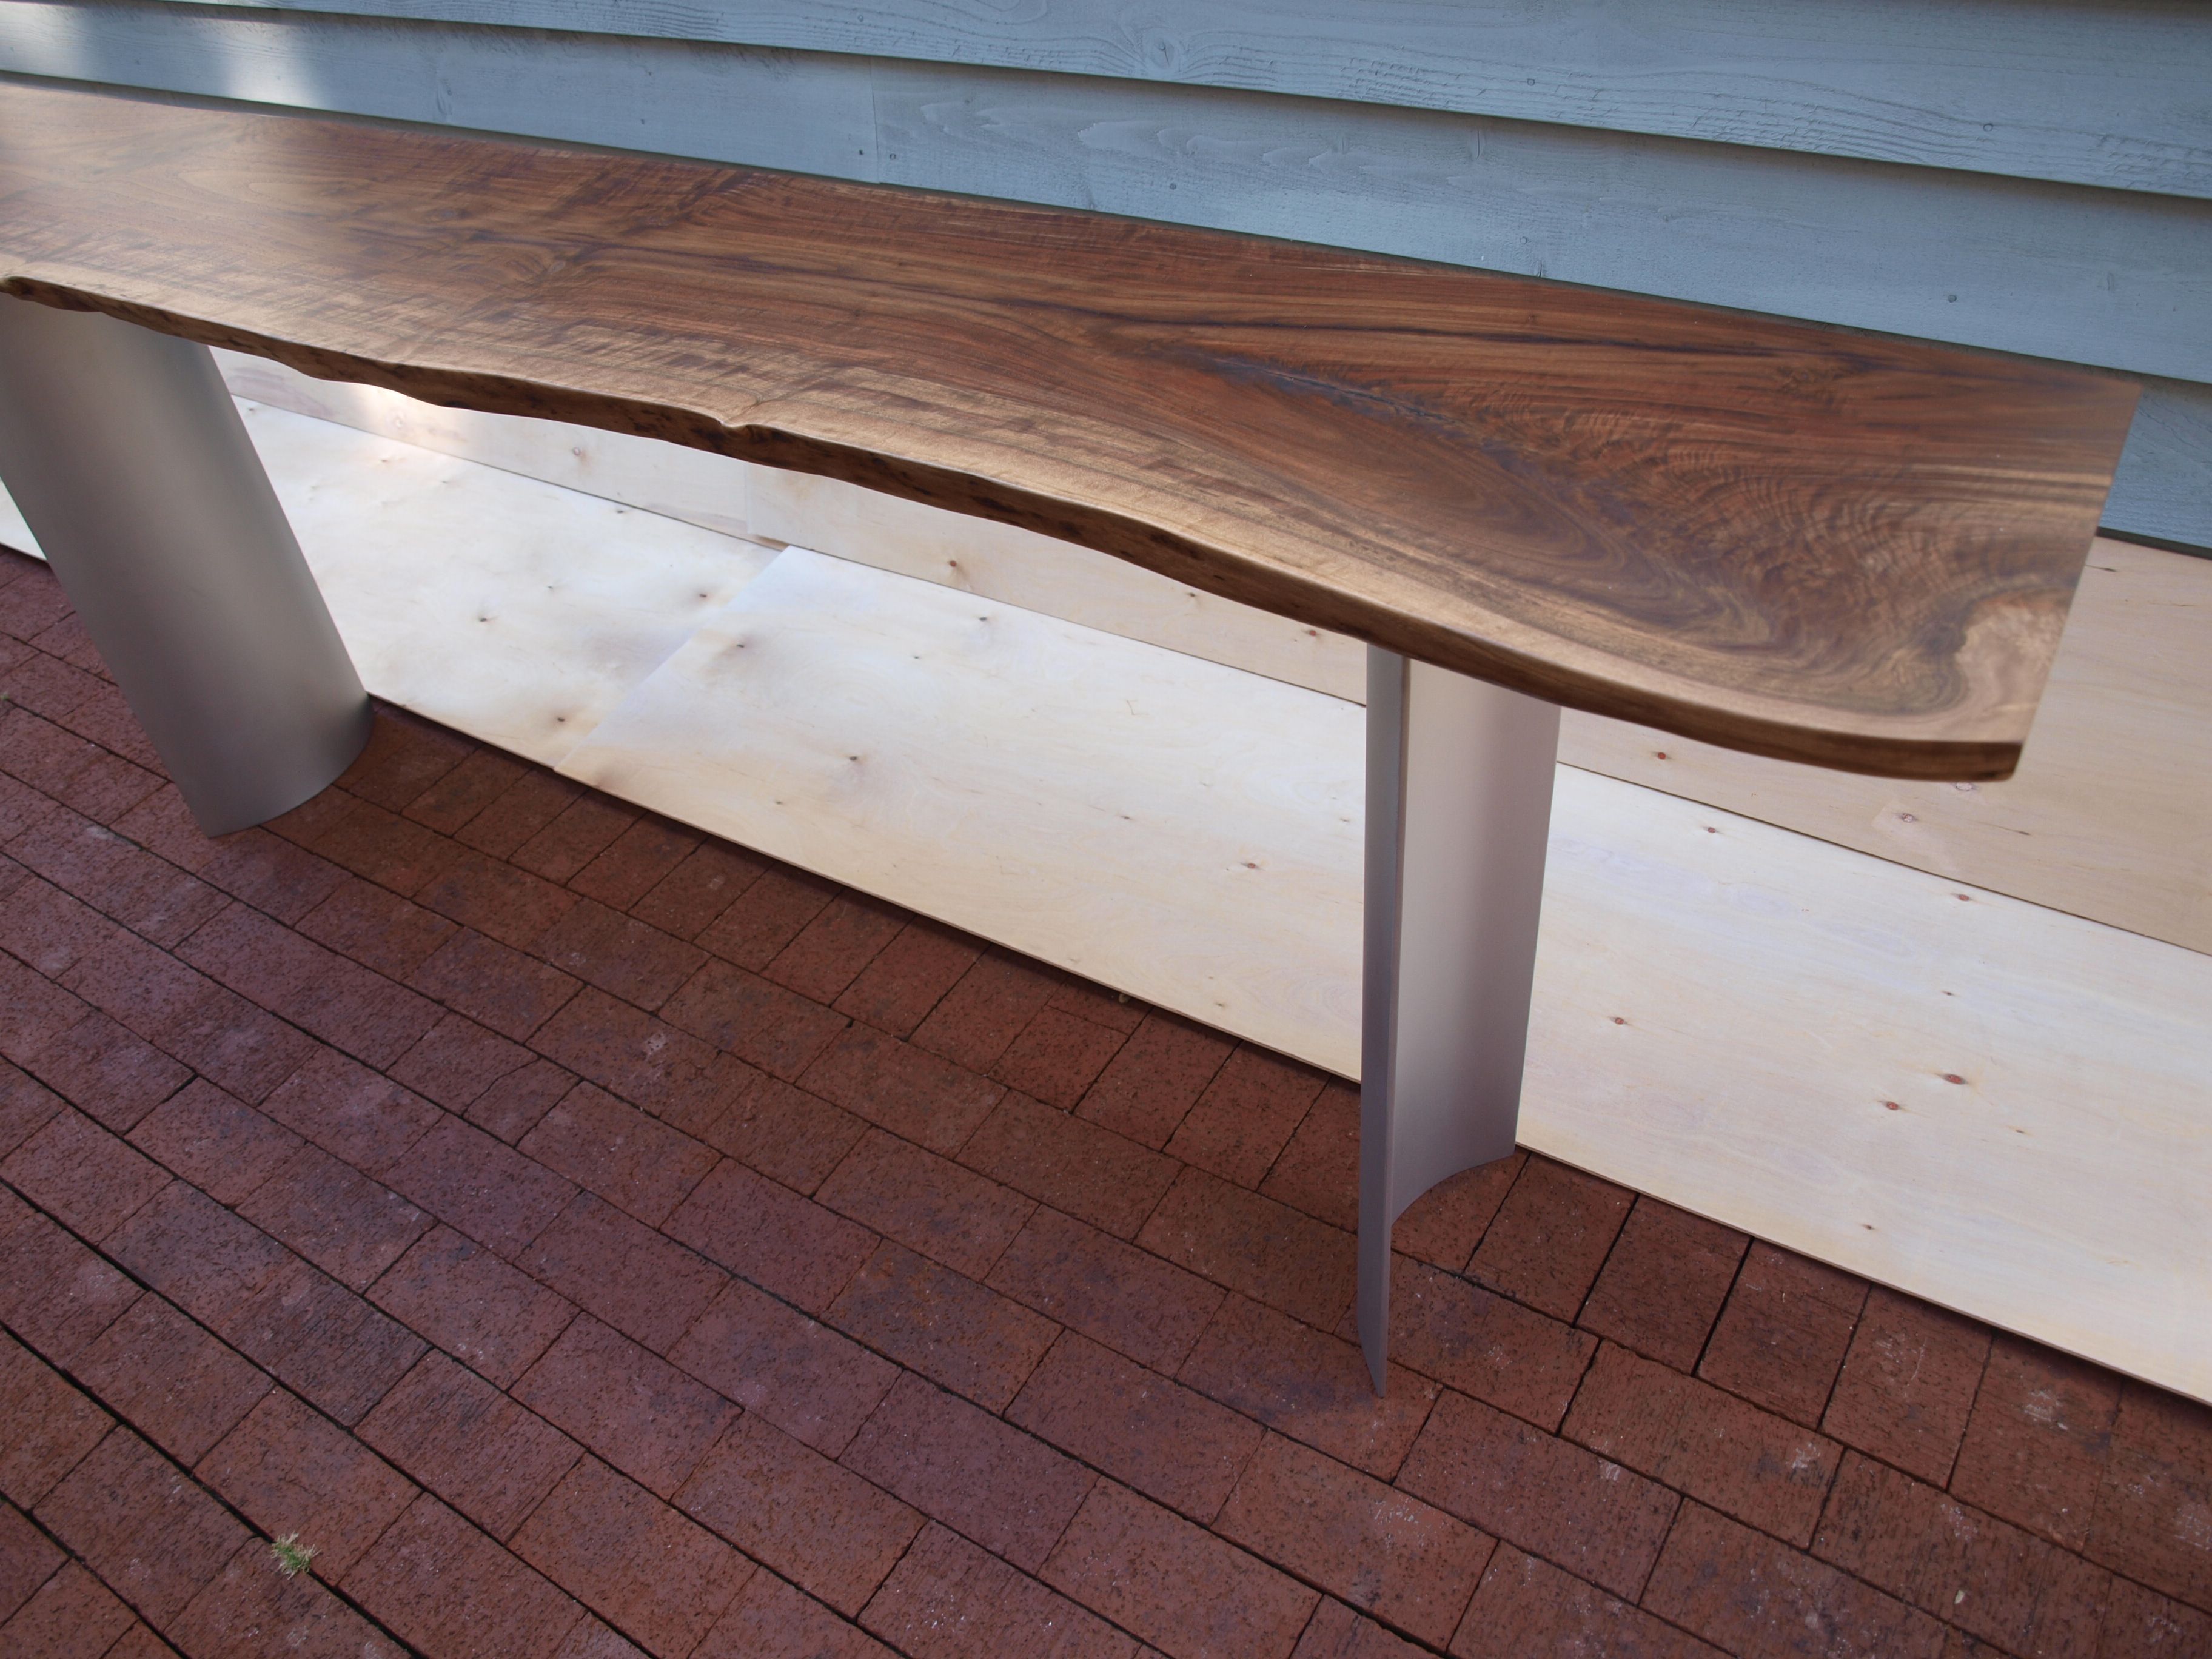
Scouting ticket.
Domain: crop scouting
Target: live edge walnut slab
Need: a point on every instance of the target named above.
(1806, 542)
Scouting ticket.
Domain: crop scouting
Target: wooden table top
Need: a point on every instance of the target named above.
(1814, 542)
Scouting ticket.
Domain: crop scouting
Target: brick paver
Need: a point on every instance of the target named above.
(590, 1239)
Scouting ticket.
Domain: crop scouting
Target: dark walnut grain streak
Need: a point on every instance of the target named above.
(1805, 542)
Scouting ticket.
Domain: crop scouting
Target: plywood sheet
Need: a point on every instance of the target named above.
(997, 562)
(1765, 1028)
(1054, 578)
(520, 612)
(1049, 786)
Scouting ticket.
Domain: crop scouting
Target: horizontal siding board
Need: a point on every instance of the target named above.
(803, 113)
(2108, 93)
(2120, 279)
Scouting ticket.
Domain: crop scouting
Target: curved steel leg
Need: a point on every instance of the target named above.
(130, 463)
(1459, 813)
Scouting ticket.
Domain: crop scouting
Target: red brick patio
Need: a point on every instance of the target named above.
(585, 1234)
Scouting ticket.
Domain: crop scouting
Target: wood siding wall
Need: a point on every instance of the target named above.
(2031, 175)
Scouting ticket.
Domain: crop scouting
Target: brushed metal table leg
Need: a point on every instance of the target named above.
(1459, 813)
(129, 460)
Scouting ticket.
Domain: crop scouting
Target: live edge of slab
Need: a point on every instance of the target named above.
(1805, 542)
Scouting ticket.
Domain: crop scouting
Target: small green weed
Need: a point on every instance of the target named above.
(293, 1557)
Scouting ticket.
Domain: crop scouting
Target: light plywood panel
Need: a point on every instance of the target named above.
(2110, 814)
(1774, 993)
(999, 561)
(518, 612)
(1050, 786)
(2109, 817)
(1054, 578)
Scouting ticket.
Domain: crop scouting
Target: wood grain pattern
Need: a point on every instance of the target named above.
(1831, 547)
